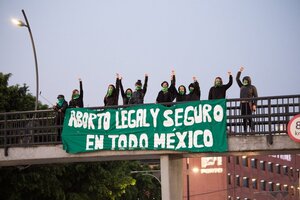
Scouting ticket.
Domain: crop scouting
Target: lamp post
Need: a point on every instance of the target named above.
(26, 24)
(187, 178)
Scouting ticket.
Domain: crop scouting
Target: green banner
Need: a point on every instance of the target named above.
(198, 126)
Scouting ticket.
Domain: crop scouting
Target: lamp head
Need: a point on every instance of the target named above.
(18, 22)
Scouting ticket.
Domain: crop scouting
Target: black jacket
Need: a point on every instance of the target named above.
(138, 95)
(77, 103)
(169, 96)
(248, 91)
(220, 91)
(60, 115)
(113, 99)
(195, 95)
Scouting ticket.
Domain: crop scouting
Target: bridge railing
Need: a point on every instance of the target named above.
(30, 128)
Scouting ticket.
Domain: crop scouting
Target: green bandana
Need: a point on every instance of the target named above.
(245, 82)
(128, 95)
(164, 89)
(181, 92)
(138, 87)
(191, 89)
(60, 102)
(75, 96)
(109, 92)
(217, 83)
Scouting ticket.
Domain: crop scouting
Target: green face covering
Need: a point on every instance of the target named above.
(75, 96)
(164, 89)
(245, 82)
(128, 94)
(138, 87)
(181, 92)
(191, 89)
(60, 102)
(109, 91)
(218, 83)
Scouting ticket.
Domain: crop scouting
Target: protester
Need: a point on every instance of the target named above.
(139, 93)
(194, 89)
(218, 91)
(112, 95)
(181, 94)
(60, 108)
(247, 90)
(126, 96)
(77, 97)
(167, 94)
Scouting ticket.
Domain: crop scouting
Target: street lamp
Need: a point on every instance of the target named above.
(26, 24)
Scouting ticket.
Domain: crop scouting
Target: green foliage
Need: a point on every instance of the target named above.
(15, 97)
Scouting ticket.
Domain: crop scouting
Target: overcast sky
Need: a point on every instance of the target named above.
(96, 39)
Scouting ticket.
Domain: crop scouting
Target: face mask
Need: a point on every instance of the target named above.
(75, 96)
(60, 102)
(191, 89)
(138, 87)
(181, 92)
(217, 83)
(128, 95)
(164, 89)
(109, 91)
(245, 82)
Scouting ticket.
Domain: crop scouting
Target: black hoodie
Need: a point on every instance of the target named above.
(181, 97)
(194, 95)
(219, 92)
(112, 100)
(124, 94)
(247, 91)
(168, 96)
(138, 95)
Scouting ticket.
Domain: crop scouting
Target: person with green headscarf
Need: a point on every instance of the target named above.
(112, 95)
(194, 89)
(218, 91)
(167, 94)
(248, 104)
(60, 108)
(139, 94)
(77, 97)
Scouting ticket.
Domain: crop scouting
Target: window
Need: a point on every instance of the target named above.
(278, 186)
(262, 165)
(237, 180)
(298, 173)
(262, 185)
(270, 167)
(285, 170)
(271, 186)
(254, 163)
(245, 182)
(285, 188)
(245, 161)
(229, 179)
(237, 160)
(229, 198)
(254, 183)
(292, 172)
(278, 167)
(228, 159)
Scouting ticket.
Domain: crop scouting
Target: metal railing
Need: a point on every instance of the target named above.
(31, 128)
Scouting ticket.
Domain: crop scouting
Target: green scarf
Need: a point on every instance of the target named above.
(109, 92)
(128, 95)
(164, 89)
(138, 87)
(191, 90)
(245, 82)
(75, 96)
(181, 92)
(60, 102)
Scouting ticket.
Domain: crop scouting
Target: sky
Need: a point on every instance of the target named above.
(95, 39)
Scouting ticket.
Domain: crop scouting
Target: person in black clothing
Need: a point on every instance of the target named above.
(167, 94)
(125, 95)
(77, 97)
(112, 95)
(139, 93)
(247, 90)
(181, 94)
(218, 91)
(60, 108)
(195, 92)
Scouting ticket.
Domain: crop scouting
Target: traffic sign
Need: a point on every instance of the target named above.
(294, 128)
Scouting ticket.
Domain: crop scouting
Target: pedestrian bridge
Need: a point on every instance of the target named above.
(30, 137)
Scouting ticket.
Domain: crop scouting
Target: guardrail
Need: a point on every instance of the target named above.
(271, 117)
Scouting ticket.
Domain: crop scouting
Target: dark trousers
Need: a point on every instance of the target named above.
(59, 122)
(246, 110)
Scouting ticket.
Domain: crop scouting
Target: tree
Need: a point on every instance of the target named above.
(16, 97)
